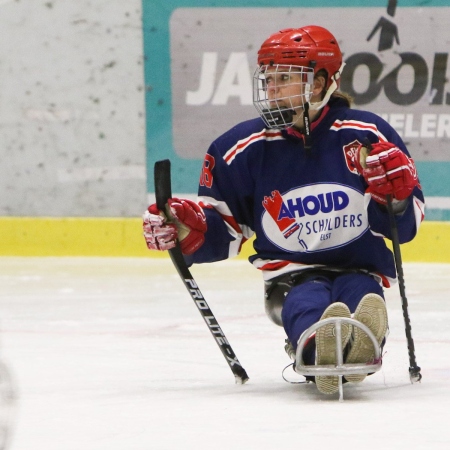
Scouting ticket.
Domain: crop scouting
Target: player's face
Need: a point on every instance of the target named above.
(285, 88)
(280, 93)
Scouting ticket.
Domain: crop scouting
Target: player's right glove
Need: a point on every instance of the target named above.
(387, 170)
(186, 222)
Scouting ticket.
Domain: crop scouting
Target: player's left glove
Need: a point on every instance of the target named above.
(387, 170)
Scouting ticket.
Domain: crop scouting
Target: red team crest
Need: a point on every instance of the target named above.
(350, 155)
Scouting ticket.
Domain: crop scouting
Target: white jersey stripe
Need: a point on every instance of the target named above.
(241, 145)
(358, 125)
(239, 232)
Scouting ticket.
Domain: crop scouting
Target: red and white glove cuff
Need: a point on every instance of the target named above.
(158, 233)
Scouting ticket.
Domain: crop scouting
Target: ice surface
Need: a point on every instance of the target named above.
(112, 354)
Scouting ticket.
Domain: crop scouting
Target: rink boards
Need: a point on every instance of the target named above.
(31, 236)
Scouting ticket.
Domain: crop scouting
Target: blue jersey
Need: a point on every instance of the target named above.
(306, 207)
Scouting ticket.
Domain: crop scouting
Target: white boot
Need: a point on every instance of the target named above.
(326, 345)
(371, 311)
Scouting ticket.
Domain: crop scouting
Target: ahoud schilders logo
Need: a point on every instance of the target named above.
(314, 217)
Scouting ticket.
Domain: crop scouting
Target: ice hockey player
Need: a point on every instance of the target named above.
(298, 179)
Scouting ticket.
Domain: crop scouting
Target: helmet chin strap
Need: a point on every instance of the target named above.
(333, 86)
(318, 105)
(307, 126)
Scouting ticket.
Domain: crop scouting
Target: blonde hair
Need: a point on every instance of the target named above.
(336, 94)
(344, 96)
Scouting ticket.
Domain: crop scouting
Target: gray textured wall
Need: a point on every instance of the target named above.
(72, 113)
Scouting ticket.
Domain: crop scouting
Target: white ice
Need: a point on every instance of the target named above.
(112, 354)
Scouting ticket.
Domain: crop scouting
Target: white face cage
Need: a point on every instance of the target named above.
(280, 93)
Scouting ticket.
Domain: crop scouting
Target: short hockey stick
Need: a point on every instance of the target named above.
(414, 369)
(163, 191)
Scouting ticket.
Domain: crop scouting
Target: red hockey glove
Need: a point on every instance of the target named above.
(187, 223)
(191, 223)
(387, 170)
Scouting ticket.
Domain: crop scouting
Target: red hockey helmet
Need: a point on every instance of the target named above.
(291, 58)
(310, 46)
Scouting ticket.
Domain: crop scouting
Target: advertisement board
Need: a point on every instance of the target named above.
(200, 59)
